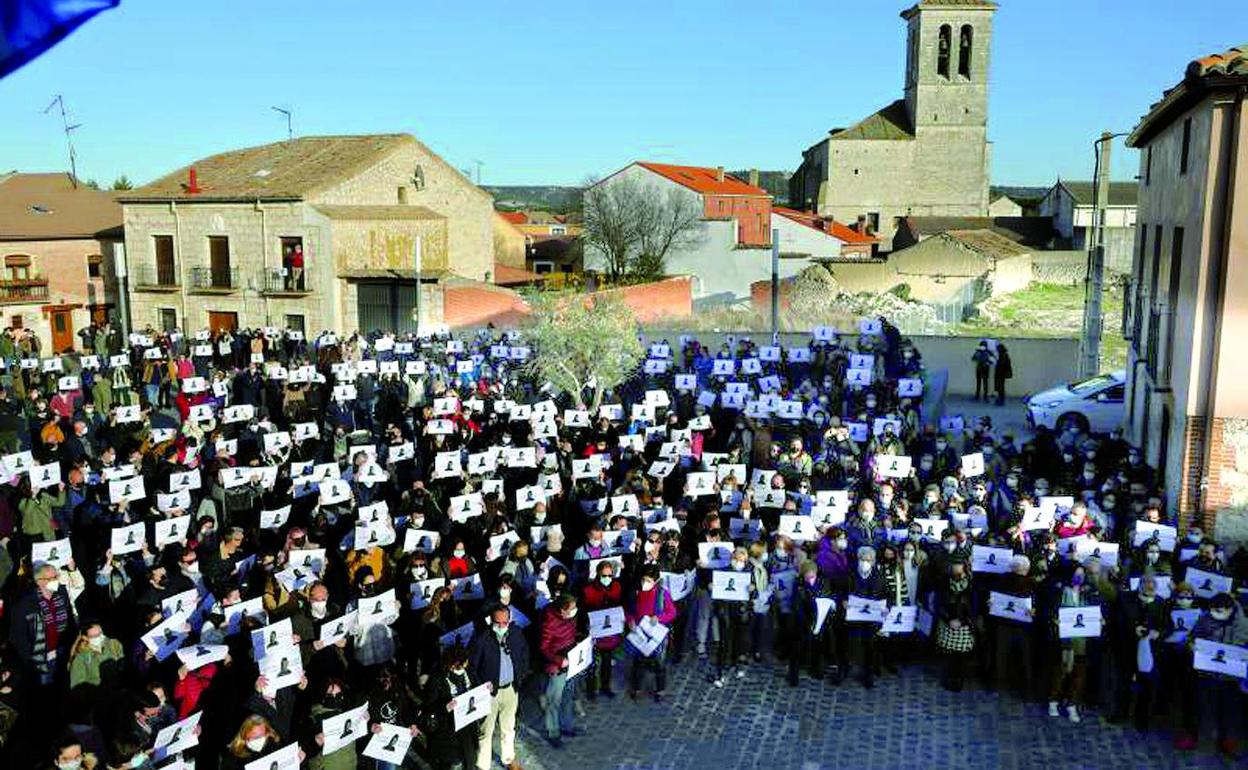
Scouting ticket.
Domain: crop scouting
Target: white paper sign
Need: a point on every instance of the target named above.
(1074, 622)
(730, 585)
(580, 656)
(606, 622)
(859, 609)
(1010, 607)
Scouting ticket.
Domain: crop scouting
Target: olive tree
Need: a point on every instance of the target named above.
(583, 343)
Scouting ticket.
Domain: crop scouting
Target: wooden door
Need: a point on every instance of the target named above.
(218, 321)
(219, 254)
(62, 330)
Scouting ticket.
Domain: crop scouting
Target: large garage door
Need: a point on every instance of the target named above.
(388, 307)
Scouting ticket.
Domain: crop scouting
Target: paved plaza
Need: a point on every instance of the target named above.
(907, 721)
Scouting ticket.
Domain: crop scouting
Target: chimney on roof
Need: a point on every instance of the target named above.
(719, 173)
(754, 177)
(861, 225)
(192, 182)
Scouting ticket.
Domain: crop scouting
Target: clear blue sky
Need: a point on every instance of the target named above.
(550, 92)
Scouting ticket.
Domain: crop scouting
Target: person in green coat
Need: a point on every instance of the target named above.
(36, 509)
(334, 702)
(92, 653)
(102, 394)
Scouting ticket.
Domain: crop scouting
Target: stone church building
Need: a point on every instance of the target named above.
(926, 154)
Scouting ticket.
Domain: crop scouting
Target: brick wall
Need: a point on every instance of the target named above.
(669, 298)
(64, 264)
(1225, 489)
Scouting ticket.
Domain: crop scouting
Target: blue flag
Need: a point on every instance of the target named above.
(30, 27)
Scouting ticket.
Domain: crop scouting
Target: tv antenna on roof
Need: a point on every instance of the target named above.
(57, 101)
(290, 134)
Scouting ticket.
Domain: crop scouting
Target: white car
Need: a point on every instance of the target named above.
(1094, 405)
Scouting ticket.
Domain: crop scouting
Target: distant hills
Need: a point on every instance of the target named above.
(554, 198)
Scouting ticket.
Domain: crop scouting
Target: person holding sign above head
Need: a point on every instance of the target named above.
(1067, 677)
(1224, 623)
(603, 592)
(559, 636)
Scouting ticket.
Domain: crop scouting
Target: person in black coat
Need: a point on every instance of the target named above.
(808, 646)
(449, 747)
(1003, 371)
(865, 582)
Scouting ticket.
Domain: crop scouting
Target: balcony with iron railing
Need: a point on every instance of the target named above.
(214, 280)
(155, 278)
(14, 291)
(283, 282)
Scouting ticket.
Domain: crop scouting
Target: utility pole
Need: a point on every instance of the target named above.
(1094, 282)
(775, 285)
(57, 101)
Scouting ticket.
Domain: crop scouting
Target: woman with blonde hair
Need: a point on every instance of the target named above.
(255, 738)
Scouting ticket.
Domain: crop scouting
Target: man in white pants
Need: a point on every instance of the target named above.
(499, 658)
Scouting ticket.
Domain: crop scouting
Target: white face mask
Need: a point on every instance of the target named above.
(1220, 614)
(319, 608)
(459, 553)
(647, 585)
(420, 572)
(738, 565)
(841, 543)
(53, 586)
(258, 744)
(73, 764)
(864, 568)
(96, 642)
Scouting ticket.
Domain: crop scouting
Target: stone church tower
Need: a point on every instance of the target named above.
(926, 154)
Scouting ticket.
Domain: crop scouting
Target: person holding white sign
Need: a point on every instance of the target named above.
(651, 604)
(733, 618)
(1225, 624)
(810, 636)
(1066, 683)
(499, 659)
(603, 592)
(559, 637)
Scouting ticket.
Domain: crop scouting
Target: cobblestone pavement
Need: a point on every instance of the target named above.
(907, 721)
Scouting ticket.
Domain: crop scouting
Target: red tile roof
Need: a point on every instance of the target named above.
(514, 217)
(505, 275)
(468, 303)
(828, 225)
(704, 180)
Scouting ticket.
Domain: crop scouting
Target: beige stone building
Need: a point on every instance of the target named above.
(219, 243)
(1184, 319)
(57, 246)
(926, 154)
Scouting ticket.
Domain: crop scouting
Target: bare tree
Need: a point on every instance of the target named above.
(671, 221)
(635, 225)
(611, 217)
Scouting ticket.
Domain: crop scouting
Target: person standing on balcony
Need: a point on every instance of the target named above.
(296, 267)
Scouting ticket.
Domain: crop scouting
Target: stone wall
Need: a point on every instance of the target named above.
(468, 209)
(389, 244)
(510, 247)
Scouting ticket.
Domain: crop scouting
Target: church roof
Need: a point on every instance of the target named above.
(892, 123)
(977, 4)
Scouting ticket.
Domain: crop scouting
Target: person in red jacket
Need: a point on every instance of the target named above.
(605, 592)
(652, 600)
(559, 636)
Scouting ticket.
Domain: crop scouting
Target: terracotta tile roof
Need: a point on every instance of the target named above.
(48, 206)
(293, 169)
(987, 242)
(473, 303)
(892, 123)
(704, 180)
(514, 217)
(1233, 61)
(841, 232)
(1225, 69)
(506, 275)
(378, 212)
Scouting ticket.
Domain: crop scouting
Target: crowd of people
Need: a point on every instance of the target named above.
(251, 550)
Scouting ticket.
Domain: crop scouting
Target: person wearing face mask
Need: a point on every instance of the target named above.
(447, 747)
(1143, 625)
(68, 754)
(499, 658)
(810, 639)
(94, 658)
(897, 592)
(732, 621)
(865, 582)
(1069, 671)
(333, 702)
(955, 636)
(651, 600)
(1178, 680)
(43, 626)
(520, 567)
(864, 528)
(559, 636)
(603, 592)
(1224, 622)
